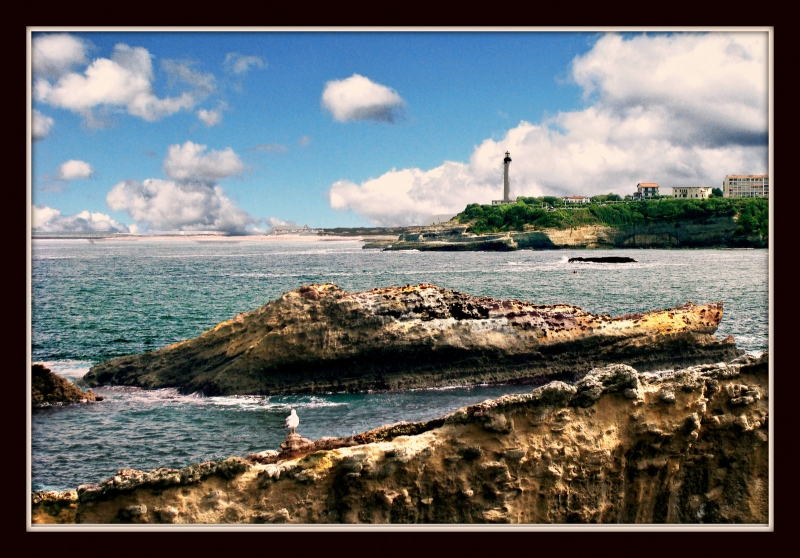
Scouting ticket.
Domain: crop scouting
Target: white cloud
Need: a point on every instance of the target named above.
(210, 117)
(123, 82)
(182, 72)
(240, 64)
(189, 163)
(40, 125)
(73, 169)
(358, 98)
(41, 215)
(275, 222)
(303, 141)
(409, 196)
(47, 219)
(168, 205)
(56, 54)
(190, 200)
(706, 89)
(679, 110)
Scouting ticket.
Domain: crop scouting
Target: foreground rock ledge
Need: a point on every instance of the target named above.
(689, 446)
(320, 338)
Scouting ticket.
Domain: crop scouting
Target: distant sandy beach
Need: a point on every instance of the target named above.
(215, 239)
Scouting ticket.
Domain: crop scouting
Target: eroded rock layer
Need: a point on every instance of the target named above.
(689, 446)
(715, 232)
(320, 338)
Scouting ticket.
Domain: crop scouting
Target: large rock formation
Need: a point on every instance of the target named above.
(688, 446)
(320, 338)
(48, 388)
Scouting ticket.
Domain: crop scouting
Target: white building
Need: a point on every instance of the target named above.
(577, 199)
(692, 192)
(745, 186)
(645, 190)
(293, 229)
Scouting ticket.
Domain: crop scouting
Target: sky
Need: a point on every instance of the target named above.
(149, 132)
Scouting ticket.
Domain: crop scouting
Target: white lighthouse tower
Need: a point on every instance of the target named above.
(506, 190)
(506, 162)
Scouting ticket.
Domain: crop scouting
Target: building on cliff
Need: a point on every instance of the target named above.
(692, 192)
(645, 190)
(576, 199)
(746, 186)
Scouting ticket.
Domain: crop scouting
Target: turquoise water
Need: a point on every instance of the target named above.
(95, 301)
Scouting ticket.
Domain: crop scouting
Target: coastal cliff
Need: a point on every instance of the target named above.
(619, 446)
(320, 338)
(715, 232)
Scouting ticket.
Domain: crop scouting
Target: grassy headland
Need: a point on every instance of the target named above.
(531, 214)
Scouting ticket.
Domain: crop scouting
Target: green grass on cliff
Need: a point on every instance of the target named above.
(533, 214)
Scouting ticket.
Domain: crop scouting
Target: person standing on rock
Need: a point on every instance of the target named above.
(292, 421)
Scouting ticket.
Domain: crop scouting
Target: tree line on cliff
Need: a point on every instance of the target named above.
(528, 213)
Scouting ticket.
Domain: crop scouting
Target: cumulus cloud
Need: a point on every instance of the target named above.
(73, 169)
(123, 82)
(190, 163)
(708, 90)
(40, 125)
(56, 54)
(679, 110)
(236, 63)
(47, 219)
(191, 199)
(168, 205)
(359, 98)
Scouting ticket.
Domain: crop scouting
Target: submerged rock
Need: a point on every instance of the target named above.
(320, 338)
(48, 388)
(573, 454)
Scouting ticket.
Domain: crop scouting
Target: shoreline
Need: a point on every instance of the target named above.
(210, 239)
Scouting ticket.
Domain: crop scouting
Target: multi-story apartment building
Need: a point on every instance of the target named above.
(746, 186)
(692, 192)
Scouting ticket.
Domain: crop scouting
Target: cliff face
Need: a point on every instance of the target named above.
(320, 338)
(689, 446)
(680, 234)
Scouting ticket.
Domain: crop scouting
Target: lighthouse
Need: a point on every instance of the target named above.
(506, 162)
(506, 190)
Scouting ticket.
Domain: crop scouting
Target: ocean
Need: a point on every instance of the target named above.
(92, 301)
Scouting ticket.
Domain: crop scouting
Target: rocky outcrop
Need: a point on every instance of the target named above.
(679, 234)
(452, 239)
(608, 259)
(320, 338)
(619, 446)
(48, 388)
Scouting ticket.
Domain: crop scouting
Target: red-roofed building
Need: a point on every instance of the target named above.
(645, 190)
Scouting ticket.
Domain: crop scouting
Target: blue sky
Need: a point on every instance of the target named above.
(238, 131)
